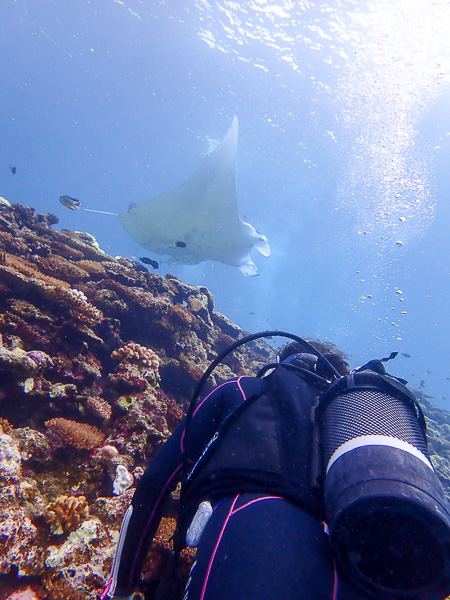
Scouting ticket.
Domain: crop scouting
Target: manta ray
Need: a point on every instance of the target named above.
(198, 220)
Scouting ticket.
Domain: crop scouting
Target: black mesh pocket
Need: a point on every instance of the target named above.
(369, 412)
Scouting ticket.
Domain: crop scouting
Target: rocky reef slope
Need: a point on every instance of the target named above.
(98, 360)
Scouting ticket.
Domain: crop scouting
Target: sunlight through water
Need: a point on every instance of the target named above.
(390, 60)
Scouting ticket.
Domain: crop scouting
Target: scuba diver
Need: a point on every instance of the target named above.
(306, 481)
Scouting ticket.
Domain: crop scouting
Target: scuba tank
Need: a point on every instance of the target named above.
(386, 510)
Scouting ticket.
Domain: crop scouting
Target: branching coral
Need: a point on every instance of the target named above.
(121, 272)
(138, 368)
(80, 303)
(135, 353)
(65, 513)
(5, 426)
(72, 433)
(36, 335)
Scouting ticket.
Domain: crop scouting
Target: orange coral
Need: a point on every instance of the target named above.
(72, 433)
(160, 548)
(65, 513)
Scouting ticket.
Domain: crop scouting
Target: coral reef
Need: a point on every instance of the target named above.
(98, 362)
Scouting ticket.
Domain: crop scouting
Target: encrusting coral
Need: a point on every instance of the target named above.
(98, 361)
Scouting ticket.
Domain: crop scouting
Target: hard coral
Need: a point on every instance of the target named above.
(61, 267)
(138, 297)
(5, 426)
(107, 453)
(138, 368)
(26, 594)
(99, 407)
(25, 275)
(15, 265)
(33, 446)
(72, 433)
(92, 267)
(65, 513)
(137, 354)
(79, 303)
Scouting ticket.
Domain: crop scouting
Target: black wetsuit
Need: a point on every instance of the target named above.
(266, 538)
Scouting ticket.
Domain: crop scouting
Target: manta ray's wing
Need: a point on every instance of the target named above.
(199, 220)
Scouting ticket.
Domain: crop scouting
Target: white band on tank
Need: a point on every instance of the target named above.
(377, 440)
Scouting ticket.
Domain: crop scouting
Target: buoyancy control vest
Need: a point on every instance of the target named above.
(264, 445)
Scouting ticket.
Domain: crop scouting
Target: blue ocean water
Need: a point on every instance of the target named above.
(343, 162)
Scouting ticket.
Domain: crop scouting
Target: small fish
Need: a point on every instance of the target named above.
(70, 202)
(149, 261)
(423, 383)
(180, 244)
(13, 169)
(406, 355)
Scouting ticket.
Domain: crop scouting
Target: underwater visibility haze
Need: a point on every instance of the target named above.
(342, 161)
